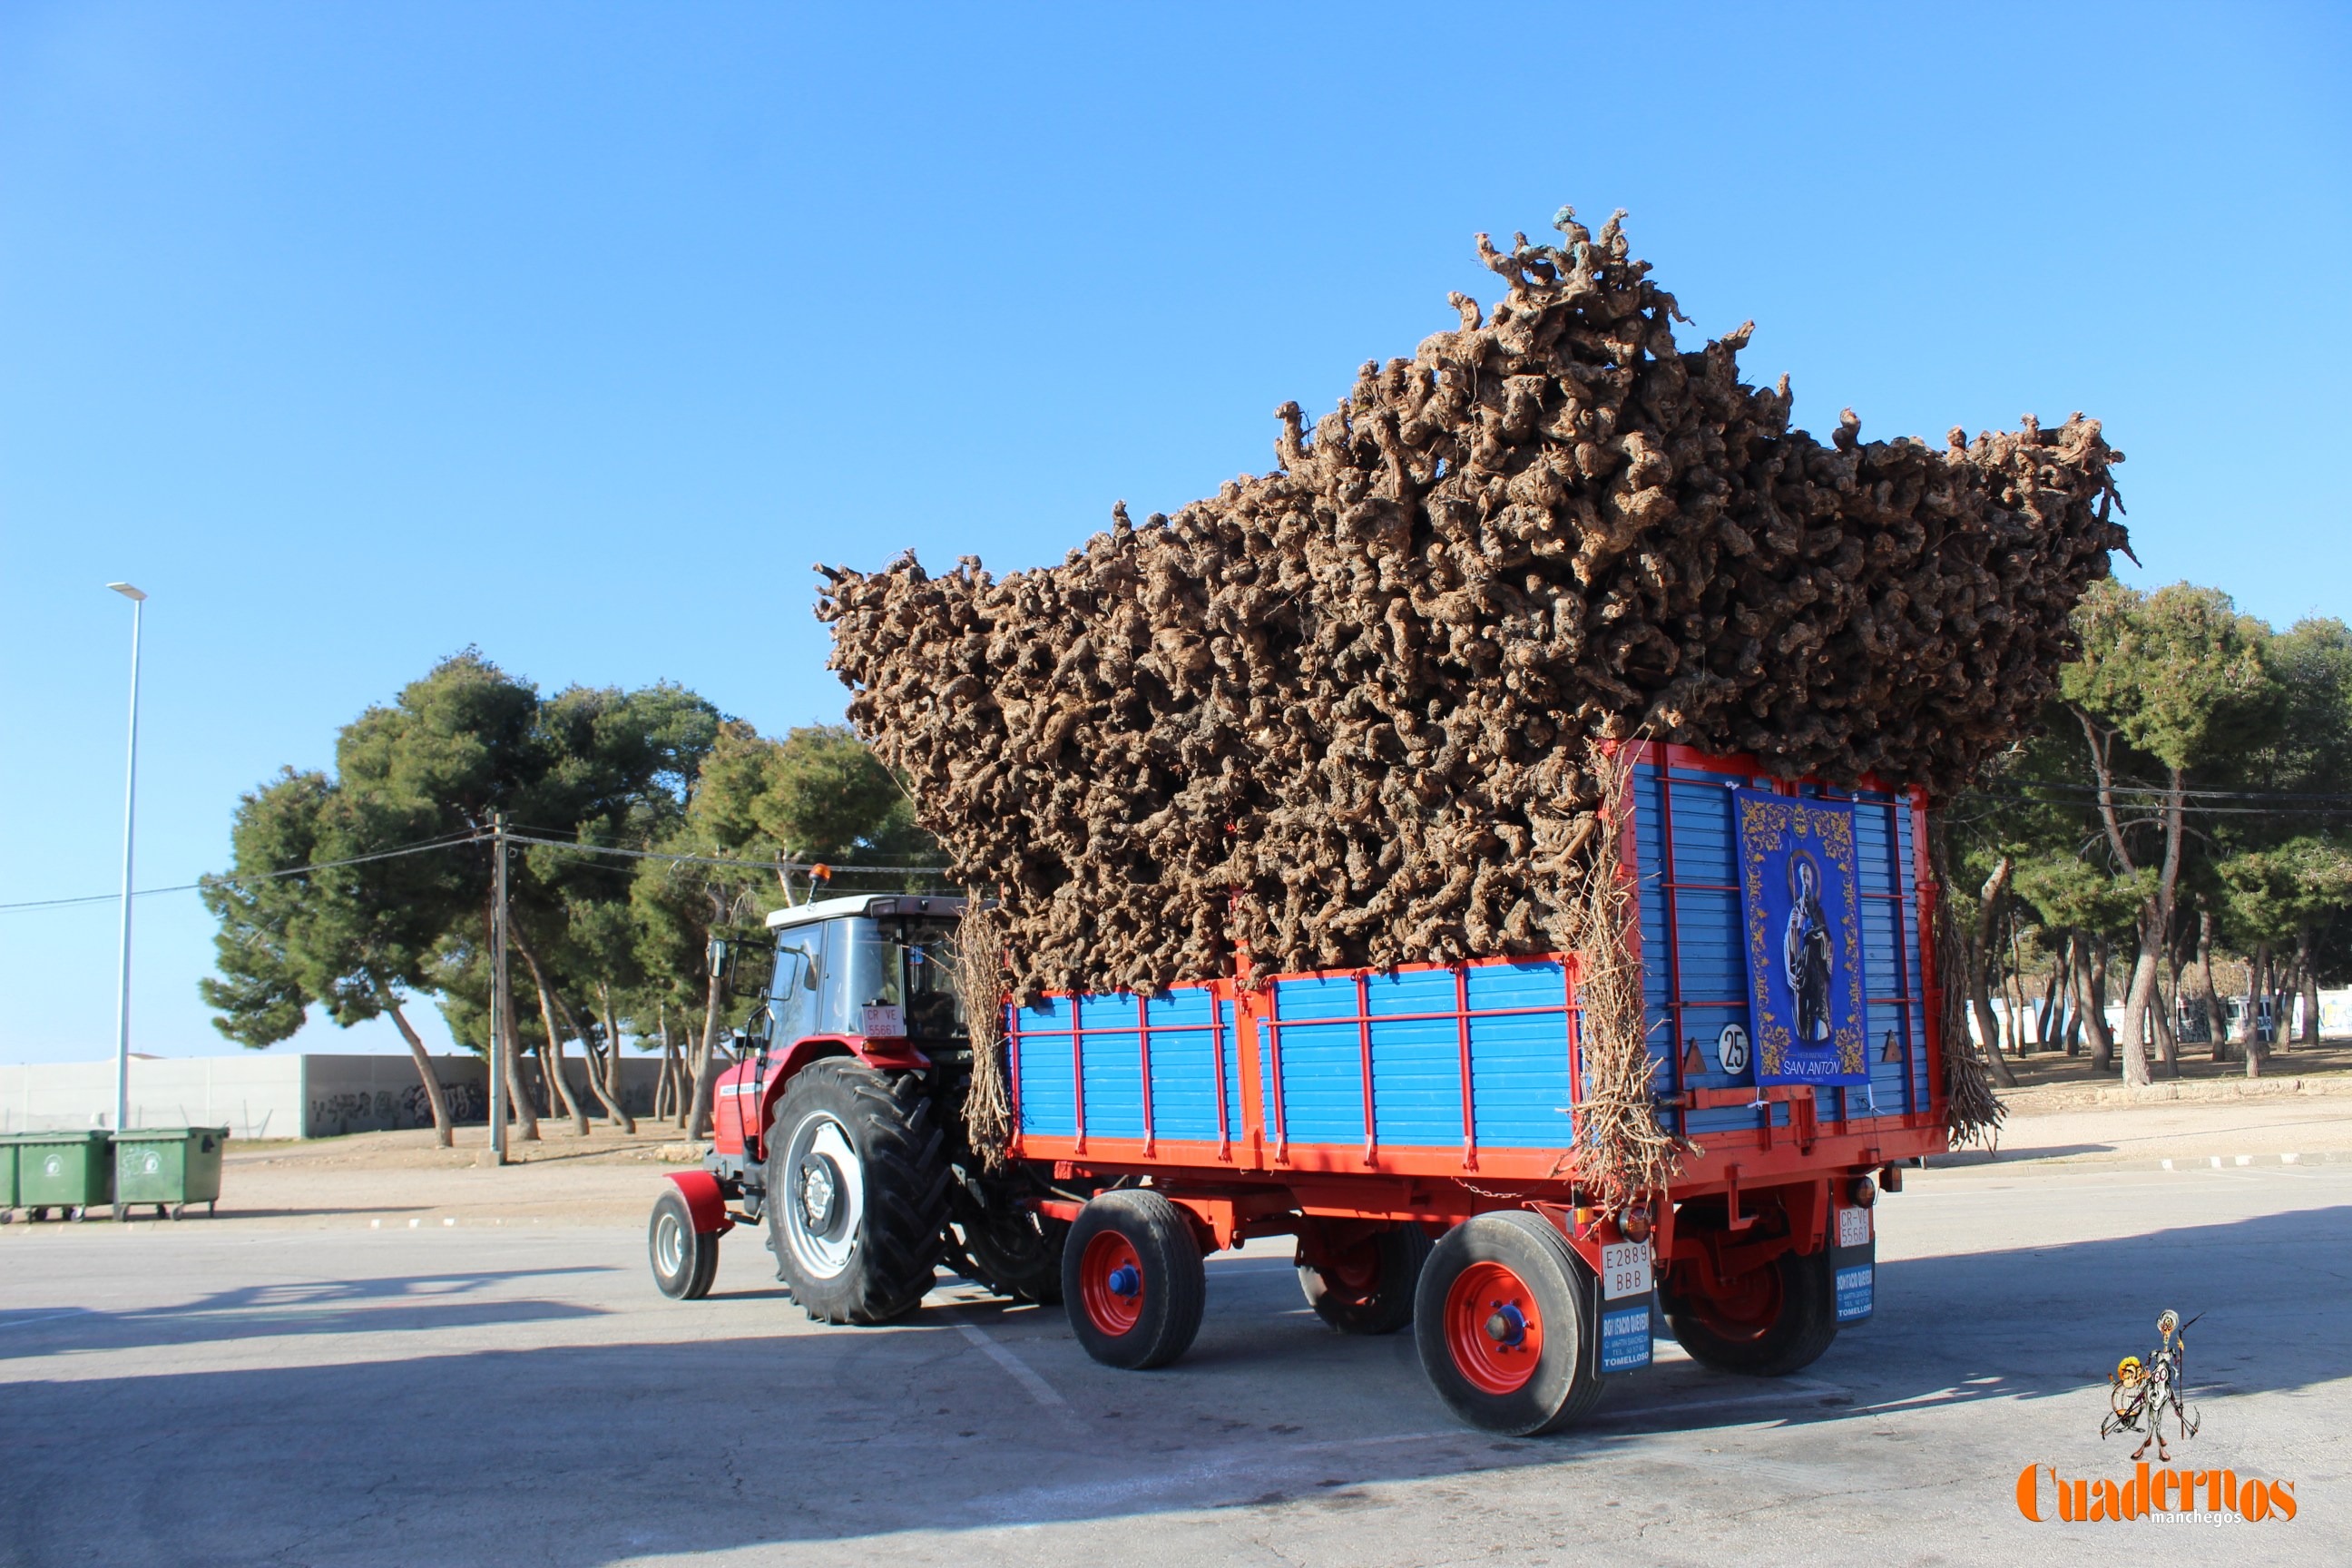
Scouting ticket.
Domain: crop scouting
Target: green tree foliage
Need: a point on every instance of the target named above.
(605, 944)
(2186, 788)
(354, 937)
(2176, 680)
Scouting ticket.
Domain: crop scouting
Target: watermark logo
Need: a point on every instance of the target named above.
(2143, 1393)
(2163, 1496)
(2140, 1393)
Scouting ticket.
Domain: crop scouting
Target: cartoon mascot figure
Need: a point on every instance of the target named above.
(2140, 1393)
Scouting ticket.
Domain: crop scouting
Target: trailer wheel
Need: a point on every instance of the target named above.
(1133, 1281)
(1368, 1288)
(856, 1192)
(684, 1262)
(1014, 1251)
(1769, 1321)
(1503, 1321)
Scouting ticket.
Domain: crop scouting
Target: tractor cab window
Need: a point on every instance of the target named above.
(863, 972)
(934, 1005)
(859, 976)
(800, 972)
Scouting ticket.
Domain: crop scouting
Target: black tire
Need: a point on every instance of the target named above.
(1780, 1323)
(1371, 1289)
(857, 1184)
(684, 1261)
(1014, 1250)
(1149, 1320)
(1511, 1269)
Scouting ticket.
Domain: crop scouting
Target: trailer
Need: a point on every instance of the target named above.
(1414, 1130)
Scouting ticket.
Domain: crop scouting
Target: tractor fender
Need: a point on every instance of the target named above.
(704, 1201)
(882, 1053)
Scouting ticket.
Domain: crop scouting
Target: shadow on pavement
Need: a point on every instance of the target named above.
(413, 1303)
(595, 1453)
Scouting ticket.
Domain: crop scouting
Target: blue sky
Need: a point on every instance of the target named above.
(358, 334)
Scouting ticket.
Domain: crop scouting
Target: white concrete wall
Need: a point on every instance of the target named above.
(253, 1097)
(276, 1097)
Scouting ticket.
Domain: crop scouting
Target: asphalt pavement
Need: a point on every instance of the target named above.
(460, 1394)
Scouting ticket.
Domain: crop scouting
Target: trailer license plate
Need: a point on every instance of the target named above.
(1854, 1226)
(1624, 1270)
(1854, 1293)
(1625, 1339)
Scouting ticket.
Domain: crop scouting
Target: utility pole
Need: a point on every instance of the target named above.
(129, 807)
(501, 1026)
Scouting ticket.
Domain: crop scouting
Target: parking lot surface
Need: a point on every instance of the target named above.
(218, 1393)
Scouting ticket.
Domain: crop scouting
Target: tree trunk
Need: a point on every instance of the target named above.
(552, 1055)
(664, 1082)
(2136, 1002)
(2094, 1004)
(547, 994)
(2167, 1042)
(2217, 1018)
(2071, 993)
(2307, 973)
(525, 1114)
(2250, 1029)
(1981, 960)
(611, 1064)
(705, 1078)
(434, 1095)
(2050, 1021)
(2013, 992)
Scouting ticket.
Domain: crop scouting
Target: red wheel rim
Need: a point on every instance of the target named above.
(1354, 1275)
(1747, 1307)
(1110, 1282)
(1493, 1328)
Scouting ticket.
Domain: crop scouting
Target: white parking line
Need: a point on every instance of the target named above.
(1020, 1371)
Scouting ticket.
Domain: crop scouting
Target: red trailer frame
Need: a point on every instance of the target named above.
(1253, 1182)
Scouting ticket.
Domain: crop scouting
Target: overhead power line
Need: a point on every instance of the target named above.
(447, 841)
(457, 841)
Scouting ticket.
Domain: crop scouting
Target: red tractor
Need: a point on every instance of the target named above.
(842, 1127)
(1414, 1128)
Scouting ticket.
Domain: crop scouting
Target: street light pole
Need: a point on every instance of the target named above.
(129, 807)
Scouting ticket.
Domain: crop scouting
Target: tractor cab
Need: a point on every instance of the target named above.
(865, 968)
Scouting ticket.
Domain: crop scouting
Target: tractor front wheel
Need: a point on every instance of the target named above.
(684, 1262)
(1132, 1280)
(856, 1196)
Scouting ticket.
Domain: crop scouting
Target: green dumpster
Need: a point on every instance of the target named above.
(170, 1167)
(68, 1172)
(7, 1178)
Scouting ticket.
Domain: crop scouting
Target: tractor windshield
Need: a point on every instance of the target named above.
(859, 976)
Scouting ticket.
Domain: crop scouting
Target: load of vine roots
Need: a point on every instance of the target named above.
(1345, 713)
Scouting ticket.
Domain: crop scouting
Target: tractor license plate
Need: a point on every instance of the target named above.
(1625, 1271)
(883, 1022)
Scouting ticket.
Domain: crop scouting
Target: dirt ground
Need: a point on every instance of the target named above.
(2041, 1070)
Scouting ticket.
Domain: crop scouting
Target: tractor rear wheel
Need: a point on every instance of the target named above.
(1368, 1288)
(1133, 1281)
(856, 1193)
